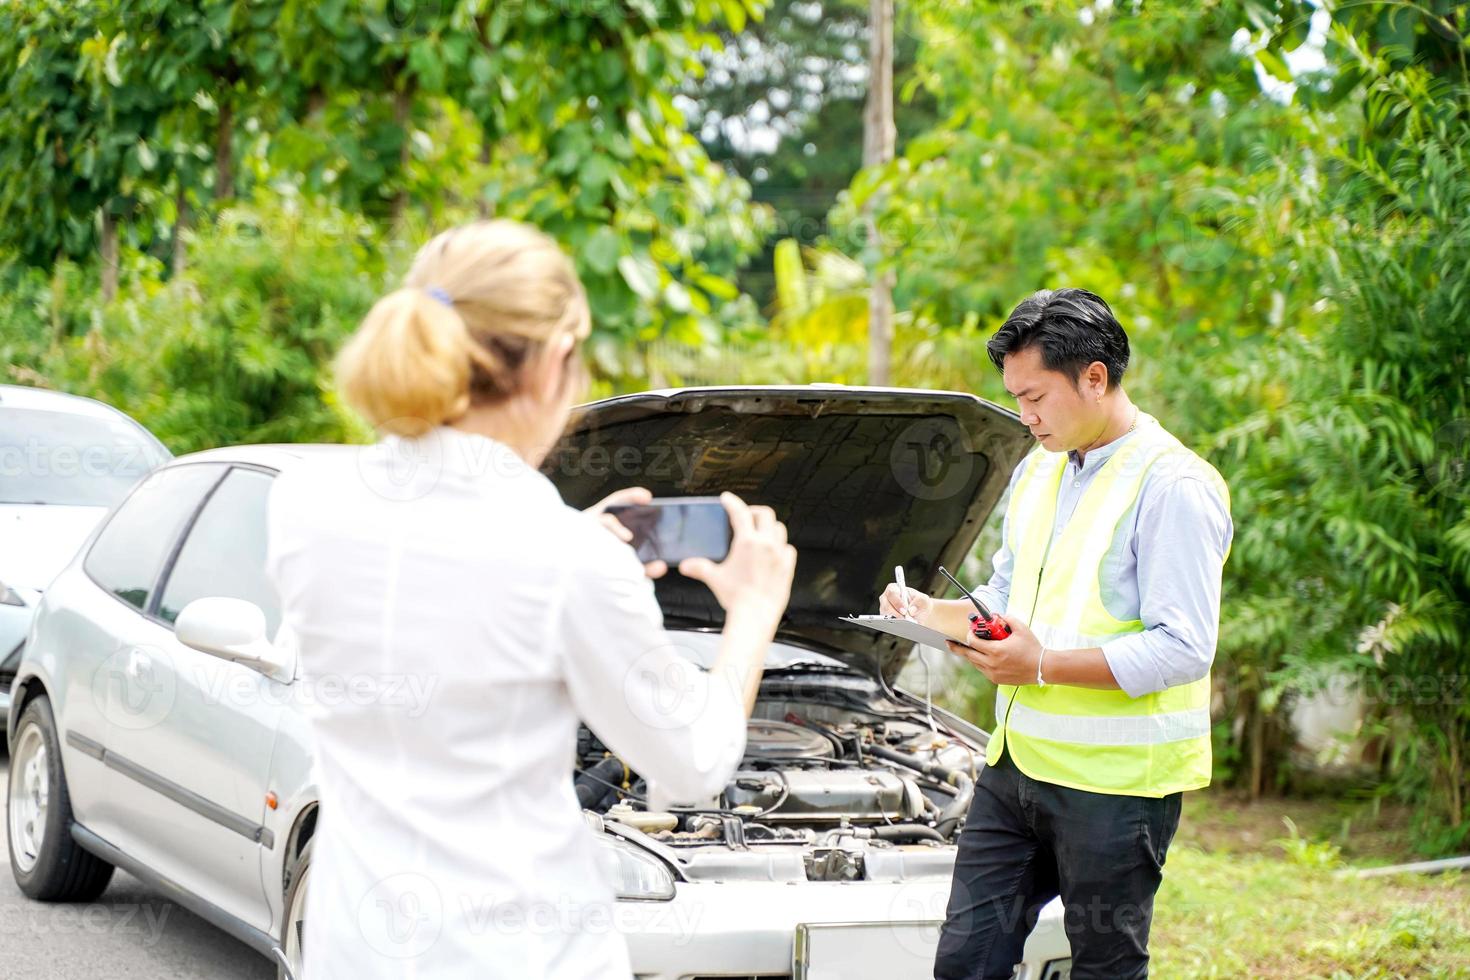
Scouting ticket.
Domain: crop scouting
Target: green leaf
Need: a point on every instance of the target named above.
(640, 274)
(791, 285)
(717, 286)
(734, 14)
(677, 297)
(594, 173)
(601, 251)
(610, 69)
(1272, 61)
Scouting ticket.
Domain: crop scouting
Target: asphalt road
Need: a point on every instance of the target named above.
(129, 932)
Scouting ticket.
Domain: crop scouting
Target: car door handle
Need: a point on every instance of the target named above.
(139, 663)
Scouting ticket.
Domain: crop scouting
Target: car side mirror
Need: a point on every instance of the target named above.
(233, 630)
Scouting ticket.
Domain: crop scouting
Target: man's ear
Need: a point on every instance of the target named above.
(1095, 380)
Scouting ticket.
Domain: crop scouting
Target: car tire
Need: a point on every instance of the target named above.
(294, 914)
(47, 863)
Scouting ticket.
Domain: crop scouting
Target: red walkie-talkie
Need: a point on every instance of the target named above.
(986, 625)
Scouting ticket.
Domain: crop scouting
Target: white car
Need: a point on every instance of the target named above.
(64, 462)
(158, 727)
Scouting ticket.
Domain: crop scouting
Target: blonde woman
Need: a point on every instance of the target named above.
(450, 843)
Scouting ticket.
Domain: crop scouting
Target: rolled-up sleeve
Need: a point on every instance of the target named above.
(1183, 535)
(652, 706)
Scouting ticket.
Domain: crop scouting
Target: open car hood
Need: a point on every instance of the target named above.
(864, 479)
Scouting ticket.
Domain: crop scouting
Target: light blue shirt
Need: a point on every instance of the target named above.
(1163, 568)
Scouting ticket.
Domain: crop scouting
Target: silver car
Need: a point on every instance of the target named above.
(64, 462)
(158, 723)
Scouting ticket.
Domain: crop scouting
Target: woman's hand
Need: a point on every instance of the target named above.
(628, 495)
(756, 575)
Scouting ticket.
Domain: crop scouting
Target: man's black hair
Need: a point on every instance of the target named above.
(1071, 327)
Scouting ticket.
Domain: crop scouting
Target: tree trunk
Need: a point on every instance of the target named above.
(58, 298)
(1256, 727)
(403, 117)
(879, 136)
(181, 224)
(1456, 772)
(487, 210)
(224, 154)
(108, 249)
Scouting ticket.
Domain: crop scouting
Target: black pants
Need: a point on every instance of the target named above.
(1024, 843)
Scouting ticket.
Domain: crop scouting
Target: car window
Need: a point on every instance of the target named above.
(129, 553)
(224, 554)
(60, 458)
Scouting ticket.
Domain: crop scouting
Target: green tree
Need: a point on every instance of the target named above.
(72, 157)
(1355, 464)
(1129, 149)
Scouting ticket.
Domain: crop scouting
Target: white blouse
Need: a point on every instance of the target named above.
(462, 618)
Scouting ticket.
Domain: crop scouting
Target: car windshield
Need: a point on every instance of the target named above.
(61, 458)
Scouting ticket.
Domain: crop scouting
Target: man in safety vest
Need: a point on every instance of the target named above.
(1109, 572)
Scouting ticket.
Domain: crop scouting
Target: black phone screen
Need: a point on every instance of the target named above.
(674, 528)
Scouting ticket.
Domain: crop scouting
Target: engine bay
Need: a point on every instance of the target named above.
(849, 789)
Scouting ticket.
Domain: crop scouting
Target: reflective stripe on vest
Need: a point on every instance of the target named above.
(1107, 730)
(1098, 740)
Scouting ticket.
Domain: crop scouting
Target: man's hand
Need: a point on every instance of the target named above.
(918, 607)
(1009, 661)
(628, 495)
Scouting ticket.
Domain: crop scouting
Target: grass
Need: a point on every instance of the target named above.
(1244, 898)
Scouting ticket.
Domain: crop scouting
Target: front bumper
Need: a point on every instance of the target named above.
(732, 928)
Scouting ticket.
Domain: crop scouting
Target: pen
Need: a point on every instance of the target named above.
(903, 590)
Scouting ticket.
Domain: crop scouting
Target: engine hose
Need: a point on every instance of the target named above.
(964, 787)
(954, 814)
(907, 831)
(931, 769)
(597, 782)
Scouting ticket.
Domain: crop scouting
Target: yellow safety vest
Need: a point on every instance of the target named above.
(1102, 741)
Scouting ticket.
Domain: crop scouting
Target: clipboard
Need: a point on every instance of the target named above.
(904, 628)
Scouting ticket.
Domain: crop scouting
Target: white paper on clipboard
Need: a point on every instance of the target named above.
(905, 628)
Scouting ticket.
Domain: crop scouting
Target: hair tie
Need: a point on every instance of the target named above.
(439, 294)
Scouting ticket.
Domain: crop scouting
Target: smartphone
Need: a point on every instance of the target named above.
(674, 528)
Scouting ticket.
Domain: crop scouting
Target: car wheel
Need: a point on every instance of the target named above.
(293, 930)
(47, 864)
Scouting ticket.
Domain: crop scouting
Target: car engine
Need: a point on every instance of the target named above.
(832, 782)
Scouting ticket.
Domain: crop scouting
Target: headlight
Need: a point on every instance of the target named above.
(9, 597)
(635, 873)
